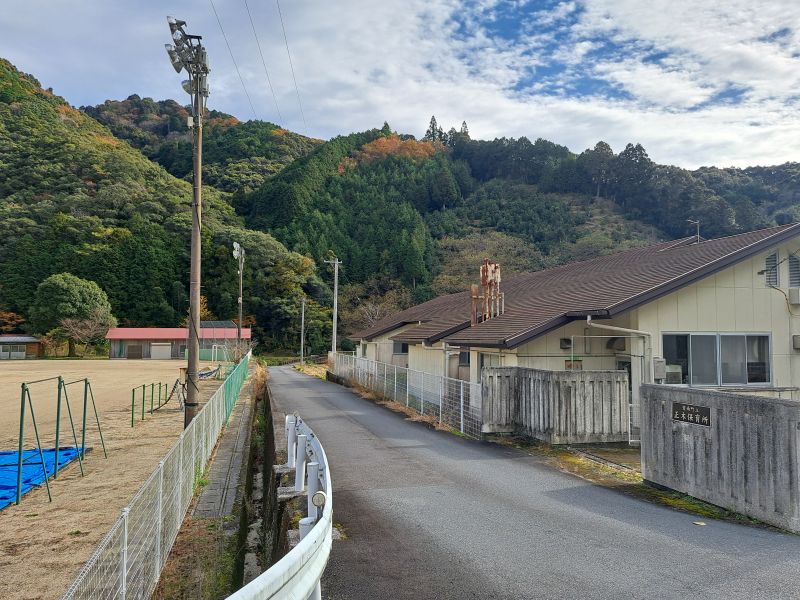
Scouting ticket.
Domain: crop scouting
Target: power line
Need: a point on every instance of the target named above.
(291, 66)
(263, 62)
(225, 37)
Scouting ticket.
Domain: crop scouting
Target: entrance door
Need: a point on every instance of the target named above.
(135, 351)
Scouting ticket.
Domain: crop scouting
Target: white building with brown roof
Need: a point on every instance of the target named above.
(712, 313)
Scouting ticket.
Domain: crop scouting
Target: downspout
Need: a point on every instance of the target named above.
(648, 344)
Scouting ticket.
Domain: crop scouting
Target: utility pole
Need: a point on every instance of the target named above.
(188, 53)
(302, 329)
(335, 262)
(238, 253)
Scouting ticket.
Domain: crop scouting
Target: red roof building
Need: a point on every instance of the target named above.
(170, 342)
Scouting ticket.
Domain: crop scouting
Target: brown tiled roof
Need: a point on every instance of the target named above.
(603, 287)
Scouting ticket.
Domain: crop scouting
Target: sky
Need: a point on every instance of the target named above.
(696, 82)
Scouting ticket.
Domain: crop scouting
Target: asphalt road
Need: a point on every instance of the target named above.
(430, 515)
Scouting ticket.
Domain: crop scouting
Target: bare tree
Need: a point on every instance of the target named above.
(89, 331)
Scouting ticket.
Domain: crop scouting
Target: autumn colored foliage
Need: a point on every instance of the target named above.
(392, 145)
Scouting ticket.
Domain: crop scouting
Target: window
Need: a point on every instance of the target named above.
(703, 359)
(463, 359)
(771, 270)
(488, 359)
(399, 348)
(794, 271)
(676, 355)
(714, 359)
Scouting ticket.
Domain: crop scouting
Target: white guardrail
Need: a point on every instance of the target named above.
(296, 576)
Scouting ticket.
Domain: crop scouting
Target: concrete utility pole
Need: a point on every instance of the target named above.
(302, 329)
(335, 262)
(238, 253)
(189, 54)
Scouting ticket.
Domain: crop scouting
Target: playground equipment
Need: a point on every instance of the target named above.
(62, 399)
(220, 353)
(165, 394)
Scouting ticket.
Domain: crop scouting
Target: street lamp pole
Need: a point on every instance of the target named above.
(238, 253)
(188, 54)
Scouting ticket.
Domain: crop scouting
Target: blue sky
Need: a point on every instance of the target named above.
(697, 82)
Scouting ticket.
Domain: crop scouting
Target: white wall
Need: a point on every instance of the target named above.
(734, 300)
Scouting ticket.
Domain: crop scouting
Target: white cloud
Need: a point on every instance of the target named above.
(359, 63)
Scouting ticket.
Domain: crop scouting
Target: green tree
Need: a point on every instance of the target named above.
(598, 163)
(65, 296)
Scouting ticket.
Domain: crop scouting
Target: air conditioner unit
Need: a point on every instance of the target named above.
(794, 295)
(674, 374)
(565, 343)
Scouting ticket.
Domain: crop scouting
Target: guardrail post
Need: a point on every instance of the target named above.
(394, 395)
(291, 437)
(313, 487)
(300, 463)
(408, 379)
(306, 525)
(123, 575)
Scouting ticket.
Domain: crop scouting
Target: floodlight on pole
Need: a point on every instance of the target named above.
(188, 53)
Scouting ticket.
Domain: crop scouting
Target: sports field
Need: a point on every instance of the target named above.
(43, 544)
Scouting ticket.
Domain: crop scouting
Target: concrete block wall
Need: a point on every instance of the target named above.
(558, 407)
(746, 460)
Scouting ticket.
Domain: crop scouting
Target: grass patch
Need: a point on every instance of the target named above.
(201, 563)
(313, 369)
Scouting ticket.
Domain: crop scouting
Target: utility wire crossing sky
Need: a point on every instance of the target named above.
(696, 82)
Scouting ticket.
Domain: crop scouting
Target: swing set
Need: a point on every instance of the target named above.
(79, 451)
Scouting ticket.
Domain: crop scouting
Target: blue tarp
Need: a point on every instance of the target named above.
(32, 473)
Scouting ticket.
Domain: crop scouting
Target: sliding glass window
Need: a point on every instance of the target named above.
(717, 359)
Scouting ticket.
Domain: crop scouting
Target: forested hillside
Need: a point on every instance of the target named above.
(236, 155)
(74, 198)
(409, 218)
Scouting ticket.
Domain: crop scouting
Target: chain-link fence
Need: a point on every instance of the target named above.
(453, 402)
(128, 561)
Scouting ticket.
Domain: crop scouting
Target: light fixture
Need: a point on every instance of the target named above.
(176, 61)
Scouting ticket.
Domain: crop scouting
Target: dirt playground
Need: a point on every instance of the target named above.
(44, 544)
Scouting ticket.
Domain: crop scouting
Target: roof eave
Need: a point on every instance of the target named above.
(702, 272)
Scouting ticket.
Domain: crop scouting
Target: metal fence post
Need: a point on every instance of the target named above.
(422, 401)
(180, 482)
(408, 379)
(159, 515)
(462, 406)
(124, 554)
(394, 395)
(300, 463)
(441, 397)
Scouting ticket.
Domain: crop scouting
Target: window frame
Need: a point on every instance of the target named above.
(794, 270)
(402, 345)
(719, 335)
(772, 272)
